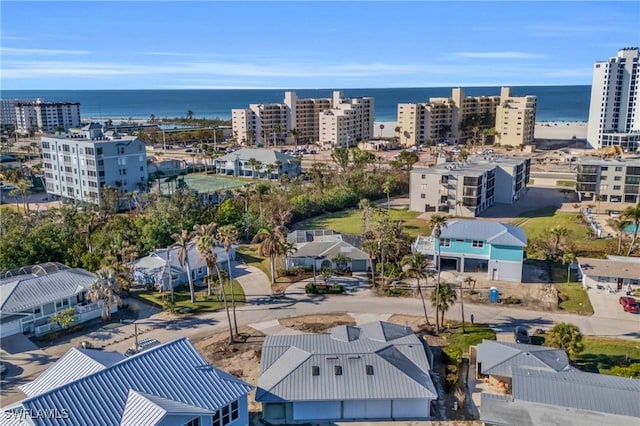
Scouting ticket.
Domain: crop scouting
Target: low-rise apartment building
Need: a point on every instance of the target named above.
(611, 180)
(440, 119)
(48, 117)
(299, 120)
(467, 188)
(78, 165)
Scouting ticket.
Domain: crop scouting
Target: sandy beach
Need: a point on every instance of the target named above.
(558, 130)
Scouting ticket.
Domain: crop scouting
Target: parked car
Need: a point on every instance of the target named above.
(629, 304)
(521, 335)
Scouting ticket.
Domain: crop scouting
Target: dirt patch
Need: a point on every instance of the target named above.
(317, 323)
(239, 359)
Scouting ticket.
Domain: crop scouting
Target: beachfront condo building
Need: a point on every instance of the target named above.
(452, 119)
(46, 117)
(614, 112)
(467, 188)
(77, 166)
(297, 120)
(348, 122)
(7, 112)
(611, 180)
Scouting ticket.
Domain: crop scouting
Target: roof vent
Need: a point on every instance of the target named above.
(331, 357)
(337, 369)
(353, 357)
(369, 369)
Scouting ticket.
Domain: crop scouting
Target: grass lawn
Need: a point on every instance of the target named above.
(537, 224)
(350, 222)
(601, 354)
(577, 301)
(248, 253)
(203, 302)
(458, 342)
(566, 183)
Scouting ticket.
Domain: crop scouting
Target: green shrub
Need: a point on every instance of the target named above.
(511, 301)
(633, 370)
(451, 355)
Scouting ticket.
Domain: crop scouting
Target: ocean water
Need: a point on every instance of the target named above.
(555, 103)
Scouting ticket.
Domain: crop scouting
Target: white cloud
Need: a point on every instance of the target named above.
(39, 52)
(497, 55)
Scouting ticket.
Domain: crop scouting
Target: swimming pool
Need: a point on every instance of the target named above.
(630, 228)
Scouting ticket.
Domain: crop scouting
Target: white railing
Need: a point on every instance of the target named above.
(83, 313)
(424, 244)
(81, 309)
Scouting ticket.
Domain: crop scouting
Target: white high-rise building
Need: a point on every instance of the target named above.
(46, 117)
(7, 112)
(348, 122)
(614, 113)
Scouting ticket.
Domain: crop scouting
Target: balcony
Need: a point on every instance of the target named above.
(424, 245)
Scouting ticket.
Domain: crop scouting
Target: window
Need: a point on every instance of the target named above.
(315, 370)
(617, 178)
(445, 242)
(194, 422)
(62, 304)
(369, 370)
(235, 411)
(337, 370)
(477, 243)
(616, 187)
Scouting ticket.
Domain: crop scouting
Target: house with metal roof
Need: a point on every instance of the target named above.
(270, 164)
(319, 247)
(496, 360)
(617, 272)
(30, 295)
(375, 371)
(477, 246)
(568, 397)
(170, 384)
(162, 267)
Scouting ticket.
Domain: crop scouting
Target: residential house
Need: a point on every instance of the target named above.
(496, 360)
(376, 371)
(478, 246)
(317, 249)
(153, 269)
(30, 295)
(568, 397)
(617, 272)
(468, 187)
(170, 384)
(269, 164)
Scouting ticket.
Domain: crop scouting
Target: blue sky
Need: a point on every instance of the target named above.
(177, 45)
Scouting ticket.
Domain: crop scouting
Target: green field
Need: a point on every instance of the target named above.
(537, 224)
(350, 222)
(458, 342)
(602, 355)
(577, 300)
(566, 183)
(203, 302)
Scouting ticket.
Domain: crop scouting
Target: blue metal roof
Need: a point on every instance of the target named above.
(174, 371)
(492, 232)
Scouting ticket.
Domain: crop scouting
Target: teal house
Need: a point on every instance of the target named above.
(478, 246)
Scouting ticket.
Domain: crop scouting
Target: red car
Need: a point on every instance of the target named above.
(629, 304)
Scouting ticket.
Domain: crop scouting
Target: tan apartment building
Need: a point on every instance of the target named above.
(467, 188)
(611, 180)
(515, 119)
(349, 121)
(272, 124)
(439, 119)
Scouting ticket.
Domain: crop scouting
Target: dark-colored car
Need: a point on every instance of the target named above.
(521, 335)
(629, 304)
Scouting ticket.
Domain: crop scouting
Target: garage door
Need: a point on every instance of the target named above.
(10, 328)
(367, 409)
(411, 409)
(359, 265)
(316, 410)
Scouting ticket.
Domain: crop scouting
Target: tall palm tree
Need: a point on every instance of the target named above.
(381, 129)
(438, 223)
(387, 186)
(633, 215)
(558, 233)
(444, 300)
(619, 224)
(182, 243)
(272, 240)
(189, 115)
(255, 165)
(105, 287)
(228, 235)
(568, 259)
(294, 135)
(415, 265)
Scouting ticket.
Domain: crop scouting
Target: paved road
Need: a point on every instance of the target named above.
(263, 307)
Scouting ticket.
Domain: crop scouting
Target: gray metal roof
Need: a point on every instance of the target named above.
(578, 390)
(265, 156)
(499, 358)
(24, 292)
(174, 371)
(328, 250)
(492, 232)
(143, 409)
(609, 268)
(73, 365)
(396, 355)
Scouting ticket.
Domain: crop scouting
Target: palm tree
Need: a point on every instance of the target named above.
(633, 215)
(381, 129)
(619, 224)
(558, 233)
(568, 259)
(271, 239)
(22, 189)
(415, 265)
(447, 297)
(387, 186)
(182, 243)
(294, 135)
(228, 235)
(106, 288)
(438, 223)
(341, 260)
(255, 165)
(189, 115)
(565, 336)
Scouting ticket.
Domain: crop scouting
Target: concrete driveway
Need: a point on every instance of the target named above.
(607, 305)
